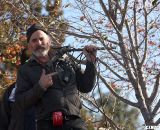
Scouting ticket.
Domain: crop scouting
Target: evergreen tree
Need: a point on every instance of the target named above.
(121, 114)
(87, 118)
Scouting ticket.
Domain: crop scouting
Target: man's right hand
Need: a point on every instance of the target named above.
(46, 80)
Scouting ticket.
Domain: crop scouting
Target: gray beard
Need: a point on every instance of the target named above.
(40, 52)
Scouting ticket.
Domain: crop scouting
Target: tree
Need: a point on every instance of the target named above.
(127, 29)
(119, 112)
(131, 27)
(122, 114)
(87, 118)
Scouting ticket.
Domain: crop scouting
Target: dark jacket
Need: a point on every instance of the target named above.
(5, 108)
(12, 117)
(62, 96)
(22, 120)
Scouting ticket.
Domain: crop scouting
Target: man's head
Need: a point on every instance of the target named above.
(39, 41)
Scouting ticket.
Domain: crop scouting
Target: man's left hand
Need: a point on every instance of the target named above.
(90, 52)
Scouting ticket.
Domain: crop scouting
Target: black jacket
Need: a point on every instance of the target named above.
(5, 108)
(12, 117)
(22, 119)
(63, 95)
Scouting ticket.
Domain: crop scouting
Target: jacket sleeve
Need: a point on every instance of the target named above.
(86, 80)
(27, 94)
(4, 112)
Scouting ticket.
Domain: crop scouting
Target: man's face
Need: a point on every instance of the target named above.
(39, 43)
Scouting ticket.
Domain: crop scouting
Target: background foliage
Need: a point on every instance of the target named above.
(128, 68)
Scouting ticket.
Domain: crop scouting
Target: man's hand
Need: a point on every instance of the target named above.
(90, 52)
(46, 80)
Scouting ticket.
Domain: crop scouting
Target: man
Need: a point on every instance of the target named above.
(52, 84)
(12, 117)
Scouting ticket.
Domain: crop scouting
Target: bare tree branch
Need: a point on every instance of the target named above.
(156, 108)
(116, 95)
(155, 89)
(79, 35)
(122, 78)
(157, 122)
(132, 45)
(108, 15)
(146, 34)
(113, 125)
(124, 12)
